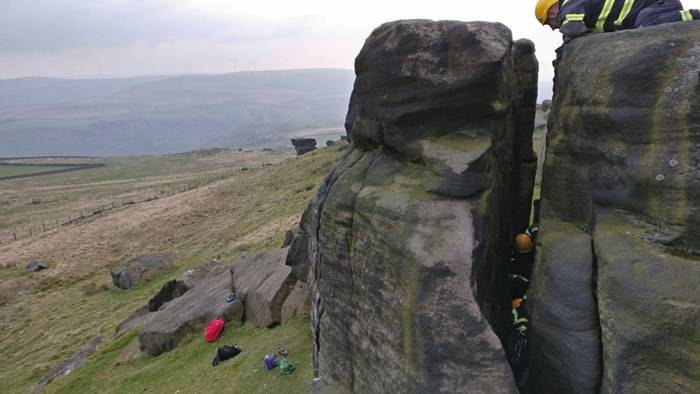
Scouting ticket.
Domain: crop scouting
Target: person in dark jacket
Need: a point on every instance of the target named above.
(575, 18)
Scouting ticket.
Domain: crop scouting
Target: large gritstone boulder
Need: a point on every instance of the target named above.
(615, 300)
(409, 234)
(171, 290)
(130, 273)
(162, 330)
(263, 281)
(267, 294)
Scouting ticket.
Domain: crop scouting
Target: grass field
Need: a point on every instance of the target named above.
(24, 170)
(49, 315)
(32, 202)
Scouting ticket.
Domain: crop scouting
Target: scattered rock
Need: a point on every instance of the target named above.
(36, 266)
(3, 300)
(262, 283)
(130, 273)
(162, 330)
(69, 365)
(170, 290)
(304, 145)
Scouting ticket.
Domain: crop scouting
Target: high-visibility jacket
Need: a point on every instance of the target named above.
(602, 15)
(578, 17)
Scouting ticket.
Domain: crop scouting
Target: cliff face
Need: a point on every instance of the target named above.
(615, 300)
(410, 233)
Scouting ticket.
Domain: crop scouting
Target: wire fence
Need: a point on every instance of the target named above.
(77, 216)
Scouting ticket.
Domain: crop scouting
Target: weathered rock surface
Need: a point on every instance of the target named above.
(36, 266)
(268, 294)
(162, 330)
(615, 306)
(170, 290)
(298, 255)
(263, 281)
(304, 145)
(289, 236)
(409, 232)
(127, 275)
(68, 365)
(297, 303)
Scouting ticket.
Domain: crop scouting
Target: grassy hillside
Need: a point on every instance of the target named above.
(51, 314)
(136, 116)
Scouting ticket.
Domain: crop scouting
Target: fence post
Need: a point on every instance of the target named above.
(30, 231)
(44, 225)
(14, 236)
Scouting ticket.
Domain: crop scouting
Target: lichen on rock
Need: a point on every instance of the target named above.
(409, 234)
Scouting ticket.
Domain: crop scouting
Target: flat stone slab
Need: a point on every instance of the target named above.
(69, 365)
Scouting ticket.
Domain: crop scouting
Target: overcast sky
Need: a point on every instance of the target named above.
(92, 38)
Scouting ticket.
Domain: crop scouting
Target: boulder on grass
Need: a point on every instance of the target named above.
(130, 273)
(303, 145)
(36, 266)
(169, 291)
(164, 329)
(263, 281)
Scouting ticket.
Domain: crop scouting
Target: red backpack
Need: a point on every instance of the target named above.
(214, 330)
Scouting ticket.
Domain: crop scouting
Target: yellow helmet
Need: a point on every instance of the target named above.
(542, 8)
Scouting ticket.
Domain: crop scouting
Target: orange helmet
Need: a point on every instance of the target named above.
(523, 243)
(542, 9)
(515, 304)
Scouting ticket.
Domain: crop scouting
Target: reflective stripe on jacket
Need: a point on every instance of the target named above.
(602, 15)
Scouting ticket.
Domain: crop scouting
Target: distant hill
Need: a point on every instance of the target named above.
(157, 115)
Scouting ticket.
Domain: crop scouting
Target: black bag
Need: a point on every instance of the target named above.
(224, 353)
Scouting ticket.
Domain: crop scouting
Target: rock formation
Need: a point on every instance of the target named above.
(267, 294)
(127, 275)
(615, 300)
(304, 145)
(263, 281)
(161, 331)
(410, 233)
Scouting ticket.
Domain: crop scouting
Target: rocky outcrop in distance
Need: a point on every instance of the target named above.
(410, 233)
(615, 304)
(304, 145)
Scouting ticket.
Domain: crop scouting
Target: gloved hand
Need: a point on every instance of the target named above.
(573, 30)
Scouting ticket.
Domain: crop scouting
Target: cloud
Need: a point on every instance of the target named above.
(55, 25)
